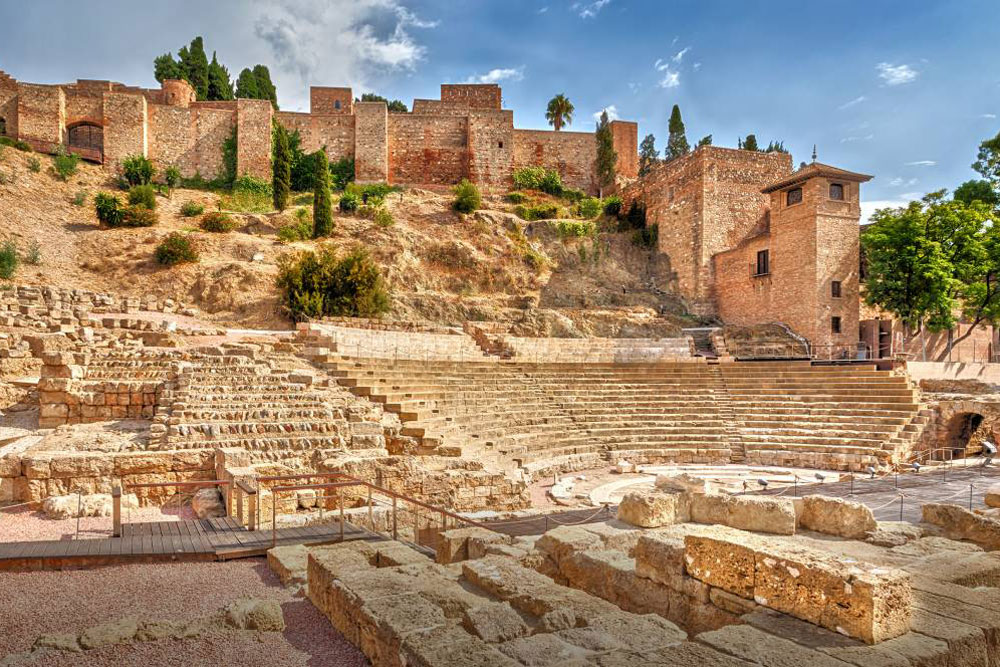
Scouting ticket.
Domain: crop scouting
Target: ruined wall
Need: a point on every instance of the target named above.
(253, 128)
(8, 109)
(371, 147)
(625, 137)
(335, 131)
(441, 108)
(570, 153)
(41, 115)
(473, 95)
(491, 145)
(190, 139)
(126, 131)
(84, 107)
(427, 149)
(325, 100)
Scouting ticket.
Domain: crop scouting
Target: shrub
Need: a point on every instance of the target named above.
(573, 195)
(79, 199)
(8, 259)
(541, 211)
(528, 178)
(142, 195)
(647, 237)
(568, 229)
(341, 173)
(7, 178)
(34, 164)
(109, 209)
(176, 249)
(322, 206)
(634, 219)
(325, 284)
(299, 230)
(172, 177)
(65, 163)
(383, 218)
(349, 202)
(516, 197)
(139, 216)
(217, 221)
(138, 170)
(250, 195)
(34, 254)
(589, 207)
(23, 146)
(192, 209)
(613, 205)
(281, 167)
(551, 183)
(467, 197)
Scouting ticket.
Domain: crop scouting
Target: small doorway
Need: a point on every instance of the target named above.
(87, 140)
(964, 435)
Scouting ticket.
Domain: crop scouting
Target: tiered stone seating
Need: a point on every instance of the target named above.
(833, 417)
(394, 344)
(598, 350)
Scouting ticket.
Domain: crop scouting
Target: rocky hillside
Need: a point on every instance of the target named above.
(442, 266)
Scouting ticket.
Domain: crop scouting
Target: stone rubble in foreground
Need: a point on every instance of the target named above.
(681, 592)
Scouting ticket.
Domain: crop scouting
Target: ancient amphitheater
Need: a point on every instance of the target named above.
(464, 496)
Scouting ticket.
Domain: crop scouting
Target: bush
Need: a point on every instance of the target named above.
(349, 202)
(217, 221)
(65, 163)
(176, 249)
(299, 230)
(573, 195)
(516, 197)
(142, 195)
(634, 219)
(383, 218)
(325, 284)
(647, 237)
(34, 254)
(8, 259)
(467, 197)
(612, 205)
(569, 229)
(250, 195)
(79, 199)
(172, 177)
(109, 209)
(529, 178)
(192, 209)
(589, 207)
(34, 164)
(138, 170)
(23, 146)
(322, 204)
(551, 183)
(341, 173)
(139, 216)
(541, 211)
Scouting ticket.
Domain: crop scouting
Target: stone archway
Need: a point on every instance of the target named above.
(86, 139)
(964, 434)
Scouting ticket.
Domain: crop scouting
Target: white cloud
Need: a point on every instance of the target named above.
(989, 116)
(498, 75)
(612, 113)
(900, 182)
(921, 163)
(696, 67)
(856, 101)
(895, 75)
(543, 9)
(679, 56)
(670, 79)
(634, 87)
(591, 9)
(336, 43)
(851, 139)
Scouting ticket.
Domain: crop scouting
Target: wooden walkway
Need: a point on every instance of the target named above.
(165, 541)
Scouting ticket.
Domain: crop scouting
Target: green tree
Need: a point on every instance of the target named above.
(607, 158)
(934, 261)
(988, 161)
(194, 64)
(220, 87)
(393, 105)
(165, 67)
(322, 208)
(677, 143)
(281, 167)
(265, 88)
(559, 112)
(776, 147)
(977, 190)
(648, 155)
(749, 144)
(706, 140)
(246, 85)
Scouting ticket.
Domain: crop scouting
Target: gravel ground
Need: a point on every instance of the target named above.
(34, 603)
(20, 525)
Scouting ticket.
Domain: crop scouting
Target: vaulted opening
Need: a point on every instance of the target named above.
(87, 139)
(964, 436)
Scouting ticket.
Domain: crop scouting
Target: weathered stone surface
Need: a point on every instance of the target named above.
(836, 516)
(494, 622)
(958, 523)
(653, 509)
(682, 483)
(544, 649)
(208, 503)
(59, 642)
(762, 514)
(450, 645)
(749, 643)
(893, 533)
(461, 544)
(93, 504)
(289, 563)
(993, 496)
(261, 615)
(116, 632)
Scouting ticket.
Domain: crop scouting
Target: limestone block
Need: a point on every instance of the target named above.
(59, 642)
(260, 615)
(562, 542)
(755, 513)
(494, 622)
(449, 645)
(10, 466)
(117, 632)
(461, 544)
(543, 649)
(208, 503)
(893, 533)
(682, 483)
(993, 496)
(653, 509)
(613, 537)
(836, 516)
(958, 523)
(762, 648)
(72, 505)
(289, 563)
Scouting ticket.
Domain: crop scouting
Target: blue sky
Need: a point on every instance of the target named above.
(901, 90)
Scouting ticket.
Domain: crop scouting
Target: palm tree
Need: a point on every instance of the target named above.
(560, 112)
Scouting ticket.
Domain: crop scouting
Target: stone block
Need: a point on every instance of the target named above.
(494, 622)
(653, 509)
(836, 516)
(461, 544)
(754, 513)
(958, 523)
(289, 563)
(992, 497)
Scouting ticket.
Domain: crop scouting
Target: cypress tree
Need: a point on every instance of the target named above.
(648, 155)
(219, 85)
(246, 85)
(265, 89)
(607, 158)
(322, 207)
(165, 67)
(677, 143)
(281, 166)
(750, 143)
(195, 65)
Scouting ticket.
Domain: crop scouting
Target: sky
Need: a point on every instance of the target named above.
(902, 90)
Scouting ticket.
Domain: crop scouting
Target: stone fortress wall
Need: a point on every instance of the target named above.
(464, 134)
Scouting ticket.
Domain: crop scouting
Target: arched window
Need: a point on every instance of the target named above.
(86, 139)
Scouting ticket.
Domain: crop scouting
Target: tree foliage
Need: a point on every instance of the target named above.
(749, 144)
(988, 161)
(281, 167)
(977, 190)
(220, 87)
(933, 262)
(211, 80)
(325, 284)
(322, 207)
(677, 143)
(706, 140)
(559, 112)
(194, 64)
(607, 158)
(648, 155)
(393, 105)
